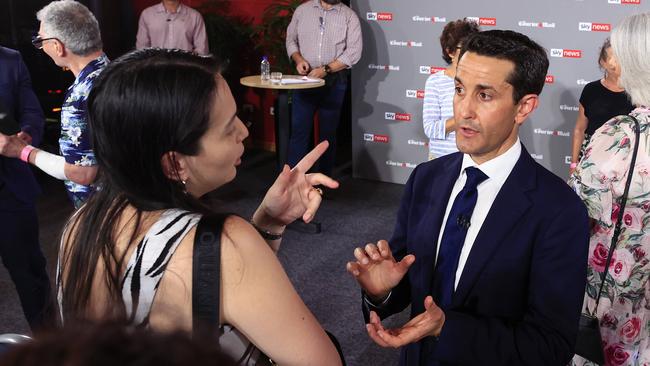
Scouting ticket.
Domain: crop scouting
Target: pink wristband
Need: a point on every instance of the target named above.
(573, 165)
(24, 153)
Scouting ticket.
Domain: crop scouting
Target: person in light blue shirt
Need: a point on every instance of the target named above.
(438, 107)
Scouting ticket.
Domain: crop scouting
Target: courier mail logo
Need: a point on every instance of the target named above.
(430, 69)
(383, 67)
(483, 21)
(540, 131)
(529, 24)
(405, 43)
(418, 18)
(559, 52)
(392, 116)
(371, 137)
(411, 93)
(400, 164)
(624, 2)
(378, 17)
(594, 27)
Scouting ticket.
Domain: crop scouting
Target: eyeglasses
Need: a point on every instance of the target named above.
(37, 41)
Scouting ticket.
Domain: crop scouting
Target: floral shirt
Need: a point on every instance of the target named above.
(75, 141)
(600, 181)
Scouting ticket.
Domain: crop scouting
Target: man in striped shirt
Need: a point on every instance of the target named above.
(324, 40)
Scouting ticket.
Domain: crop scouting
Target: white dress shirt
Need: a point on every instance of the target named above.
(497, 170)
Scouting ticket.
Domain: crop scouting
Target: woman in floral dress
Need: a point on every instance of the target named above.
(600, 181)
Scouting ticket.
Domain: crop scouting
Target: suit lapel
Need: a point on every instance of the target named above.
(508, 208)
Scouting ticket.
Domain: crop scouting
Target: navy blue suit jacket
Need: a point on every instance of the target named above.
(520, 295)
(17, 95)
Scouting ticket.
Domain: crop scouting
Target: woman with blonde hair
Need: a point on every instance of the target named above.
(600, 180)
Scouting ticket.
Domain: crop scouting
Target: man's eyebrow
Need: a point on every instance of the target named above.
(485, 87)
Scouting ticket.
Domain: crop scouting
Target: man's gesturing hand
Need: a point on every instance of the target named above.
(429, 323)
(376, 270)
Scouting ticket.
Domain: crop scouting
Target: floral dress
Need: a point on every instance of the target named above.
(600, 181)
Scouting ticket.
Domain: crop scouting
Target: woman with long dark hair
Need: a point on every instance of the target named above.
(165, 133)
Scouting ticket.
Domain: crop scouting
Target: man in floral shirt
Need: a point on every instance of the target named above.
(69, 34)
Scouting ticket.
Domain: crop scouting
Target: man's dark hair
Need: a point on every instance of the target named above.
(528, 57)
(453, 34)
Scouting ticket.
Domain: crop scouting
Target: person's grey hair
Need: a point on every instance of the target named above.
(72, 24)
(631, 46)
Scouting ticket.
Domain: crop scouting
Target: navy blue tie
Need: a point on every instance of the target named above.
(453, 238)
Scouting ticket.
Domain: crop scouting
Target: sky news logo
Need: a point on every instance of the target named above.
(529, 24)
(383, 67)
(418, 18)
(400, 164)
(410, 93)
(379, 17)
(559, 52)
(483, 21)
(405, 43)
(550, 79)
(430, 69)
(392, 116)
(624, 2)
(371, 137)
(594, 27)
(540, 131)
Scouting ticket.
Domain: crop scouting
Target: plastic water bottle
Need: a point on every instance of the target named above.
(265, 70)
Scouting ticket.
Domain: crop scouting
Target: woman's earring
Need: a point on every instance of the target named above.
(184, 186)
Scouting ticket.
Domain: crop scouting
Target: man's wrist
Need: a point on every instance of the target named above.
(377, 301)
(327, 69)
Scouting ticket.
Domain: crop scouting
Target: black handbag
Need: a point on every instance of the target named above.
(589, 342)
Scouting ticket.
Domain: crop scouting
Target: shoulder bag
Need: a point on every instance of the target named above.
(589, 342)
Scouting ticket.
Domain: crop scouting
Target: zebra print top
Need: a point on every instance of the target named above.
(149, 261)
(145, 270)
(147, 264)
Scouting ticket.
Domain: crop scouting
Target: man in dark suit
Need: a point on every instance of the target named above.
(490, 248)
(19, 245)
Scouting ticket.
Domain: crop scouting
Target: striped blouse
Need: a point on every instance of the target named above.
(437, 108)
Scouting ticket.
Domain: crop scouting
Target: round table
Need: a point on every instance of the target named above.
(282, 113)
(254, 81)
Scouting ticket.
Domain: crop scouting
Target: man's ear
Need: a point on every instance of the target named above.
(59, 48)
(173, 166)
(527, 104)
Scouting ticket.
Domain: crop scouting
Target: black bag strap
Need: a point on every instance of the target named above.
(619, 220)
(206, 275)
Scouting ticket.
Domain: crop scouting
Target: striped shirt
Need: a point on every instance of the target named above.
(183, 29)
(438, 107)
(322, 36)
